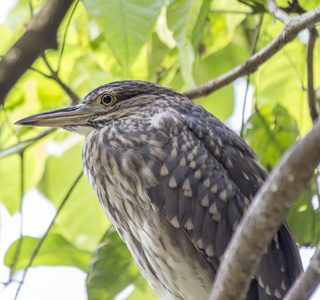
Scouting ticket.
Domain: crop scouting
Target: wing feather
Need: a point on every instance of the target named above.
(207, 188)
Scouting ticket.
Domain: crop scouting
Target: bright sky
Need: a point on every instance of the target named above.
(65, 283)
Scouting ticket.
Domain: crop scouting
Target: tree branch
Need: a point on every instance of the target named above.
(307, 282)
(288, 33)
(277, 12)
(313, 34)
(40, 35)
(264, 216)
(22, 146)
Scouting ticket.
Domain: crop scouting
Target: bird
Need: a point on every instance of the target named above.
(175, 182)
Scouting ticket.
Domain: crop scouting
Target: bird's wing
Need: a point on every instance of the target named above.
(279, 266)
(207, 181)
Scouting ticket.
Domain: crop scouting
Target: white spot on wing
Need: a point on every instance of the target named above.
(164, 118)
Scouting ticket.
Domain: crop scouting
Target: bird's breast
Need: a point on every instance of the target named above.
(119, 174)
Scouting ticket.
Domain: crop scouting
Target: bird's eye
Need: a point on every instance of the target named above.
(107, 99)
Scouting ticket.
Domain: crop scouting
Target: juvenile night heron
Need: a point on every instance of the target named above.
(175, 182)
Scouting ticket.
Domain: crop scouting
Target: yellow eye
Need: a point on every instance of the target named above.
(107, 99)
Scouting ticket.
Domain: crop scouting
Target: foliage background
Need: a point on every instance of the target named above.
(180, 44)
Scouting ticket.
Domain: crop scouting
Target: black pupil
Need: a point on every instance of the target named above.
(107, 99)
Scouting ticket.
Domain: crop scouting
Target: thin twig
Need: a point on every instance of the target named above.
(307, 282)
(40, 72)
(288, 33)
(65, 36)
(54, 76)
(253, 50)
(21, 146)
(36, 250)
(264, 217)
(313, 34)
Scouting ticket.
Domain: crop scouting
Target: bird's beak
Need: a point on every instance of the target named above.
(69, 116)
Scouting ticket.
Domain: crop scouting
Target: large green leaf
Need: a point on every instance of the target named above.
(55, 250)
(270, 131)
(126, 24)
(111, 268)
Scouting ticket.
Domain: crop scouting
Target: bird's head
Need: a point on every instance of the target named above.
(102, 105)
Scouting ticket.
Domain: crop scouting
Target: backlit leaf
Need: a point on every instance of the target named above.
(55, 250)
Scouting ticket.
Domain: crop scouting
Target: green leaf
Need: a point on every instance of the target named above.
(197, 29)
(186, 65)
(127, 24)
(281, 81)
(61, 170)
(220, 29)
(18, 16)
(156, 58)
(270, 131)
(34, 164)
(177, 24)
(6, 39)
(192, 19)
(10, 177)
(88, 74)
(111, 268)
(162, 30)
(303, 220)
(219, 103)
(55, 250)
(86, 229)
(49, 92)
(15, 98)
(60, 173)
